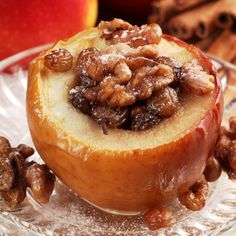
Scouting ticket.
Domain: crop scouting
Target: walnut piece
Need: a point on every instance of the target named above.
(119, 31)
(157, 218)
(41, 181)
(195, 198)
(5, 147)
(196, 80)
(16, 174)
(7, 174)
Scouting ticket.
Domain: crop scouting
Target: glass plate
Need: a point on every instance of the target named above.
(66, 213)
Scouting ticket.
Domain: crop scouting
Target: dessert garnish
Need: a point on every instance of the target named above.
(16, 174)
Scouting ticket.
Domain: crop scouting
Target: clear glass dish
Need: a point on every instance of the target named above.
(66, 213)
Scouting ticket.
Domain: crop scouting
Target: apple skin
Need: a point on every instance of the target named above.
(131, 180)
(26, 23)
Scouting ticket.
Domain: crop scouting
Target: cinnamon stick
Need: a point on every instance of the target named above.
(204, 44)
(224, 46)
(162, 10)
(186, 4)
(200, 20)
(227, 14)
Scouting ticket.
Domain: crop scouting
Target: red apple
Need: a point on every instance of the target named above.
(124, 170)
(28, 23)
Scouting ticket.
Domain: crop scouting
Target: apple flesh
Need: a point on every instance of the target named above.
(124, 170)
(26, 23)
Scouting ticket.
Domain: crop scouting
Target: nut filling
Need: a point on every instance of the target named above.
(129, 85)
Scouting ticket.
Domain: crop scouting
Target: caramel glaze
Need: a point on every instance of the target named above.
(130, 180)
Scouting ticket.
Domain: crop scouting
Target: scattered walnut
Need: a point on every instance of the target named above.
(15, 195)
(222, 146)
(157, 218)
(196, 80)
(13, 169)
(7, 173)
(213, 169)
(225, 151)
(232, 124)
(195, 198)
(41, 181)
(5, 147)
(232, 155)
(25, 150)
(59, 60)
(164, 103)
(19, 163)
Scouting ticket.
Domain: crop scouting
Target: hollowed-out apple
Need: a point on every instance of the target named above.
(124, 170)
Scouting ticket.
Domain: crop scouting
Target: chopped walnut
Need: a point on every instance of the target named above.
(122, 72)
(196, 80)
(150, 79)
(119, 31)
(195, 198)
(157, 218)
(108, 27)
(176, 67)
(114, 94)
(59, 60)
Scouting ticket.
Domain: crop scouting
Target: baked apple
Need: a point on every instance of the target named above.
(123, 115)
